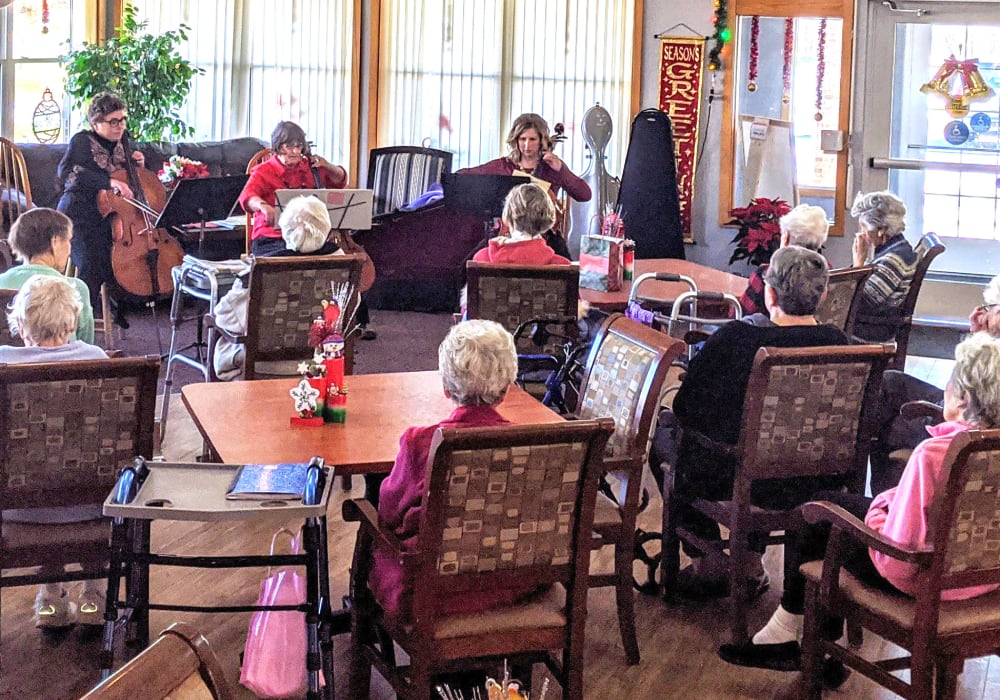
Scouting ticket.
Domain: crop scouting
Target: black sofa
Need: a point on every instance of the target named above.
(222, 158)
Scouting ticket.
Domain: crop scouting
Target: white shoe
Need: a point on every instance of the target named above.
(90, 607)
(52, 612)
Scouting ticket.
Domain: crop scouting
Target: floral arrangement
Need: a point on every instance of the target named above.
(506, 688)
(759, 233)
(181, 168)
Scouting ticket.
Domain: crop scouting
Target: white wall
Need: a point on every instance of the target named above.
(712, 245)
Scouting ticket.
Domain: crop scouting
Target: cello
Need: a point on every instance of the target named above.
(142, 256)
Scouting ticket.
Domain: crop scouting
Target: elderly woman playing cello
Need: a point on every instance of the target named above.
(86, 169)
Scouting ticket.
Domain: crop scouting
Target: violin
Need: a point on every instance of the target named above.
(142, 256)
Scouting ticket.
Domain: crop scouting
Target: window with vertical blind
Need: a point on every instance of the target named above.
(266, 61)
(453, 74)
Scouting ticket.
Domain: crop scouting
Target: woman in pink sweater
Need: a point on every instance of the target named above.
(478, 363)
(528, 212)
(971, 401)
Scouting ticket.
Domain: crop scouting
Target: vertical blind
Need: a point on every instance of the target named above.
(454, 74)
(264, 62)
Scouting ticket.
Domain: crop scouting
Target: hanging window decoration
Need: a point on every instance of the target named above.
(45, 16)
(46, 122)
(786, 67)
(820, 68)
(754, 53)
(970, 80)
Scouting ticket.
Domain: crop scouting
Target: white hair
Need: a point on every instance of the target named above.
(45, 308)
(883, 212)
(304, 224)
(991, 294)
(478, 362)
(806, 226)
(976, 378)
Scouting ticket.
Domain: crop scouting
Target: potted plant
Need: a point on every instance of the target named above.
(146, 71)
(759, 233)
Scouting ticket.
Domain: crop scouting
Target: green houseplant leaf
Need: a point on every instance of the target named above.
(146, 71)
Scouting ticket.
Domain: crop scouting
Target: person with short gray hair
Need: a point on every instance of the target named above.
(478, 364)
(710, 401)
(882, 219)
(44, 314)
(806, 226)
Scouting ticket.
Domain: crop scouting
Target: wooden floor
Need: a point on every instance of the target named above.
(678, 642)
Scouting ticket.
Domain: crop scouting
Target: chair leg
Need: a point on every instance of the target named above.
(739, 586)
(855, 635)
(670, 556)
(107, 323)
(421, 680)
(360, 673)
(947, 671)
(625, 596)
(812, 653)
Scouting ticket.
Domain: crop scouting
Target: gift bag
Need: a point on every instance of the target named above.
(601, 263)
(274, 659)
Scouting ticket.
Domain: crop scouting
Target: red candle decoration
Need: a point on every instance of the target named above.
(754, 53)
(786, 68)
(820, 69)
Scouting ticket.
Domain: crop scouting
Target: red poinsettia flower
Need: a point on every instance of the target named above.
(759, 231)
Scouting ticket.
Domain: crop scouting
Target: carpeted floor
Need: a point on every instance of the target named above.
(406, 342)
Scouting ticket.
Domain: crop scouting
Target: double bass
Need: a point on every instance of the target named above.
(142, 256)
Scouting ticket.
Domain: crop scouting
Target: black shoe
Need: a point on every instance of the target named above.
(691, 585)
(118, 316)
(786, 656)
(835, 673)
(368, 333)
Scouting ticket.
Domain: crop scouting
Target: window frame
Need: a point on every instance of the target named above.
(840, 9)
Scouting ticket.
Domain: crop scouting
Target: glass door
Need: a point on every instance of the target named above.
(928, 101)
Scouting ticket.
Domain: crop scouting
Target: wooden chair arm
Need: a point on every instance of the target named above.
(358, 510)
(921, 409)
(823, 512)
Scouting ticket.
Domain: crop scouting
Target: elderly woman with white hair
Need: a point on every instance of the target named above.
(44, 313)
(900, 514)
(896, 432)
(880, 242)
(478, 364)
(805, 226)
(305, 229)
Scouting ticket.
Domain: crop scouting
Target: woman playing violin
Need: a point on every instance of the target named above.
(529, 150)
(291, 167)
(91, 157)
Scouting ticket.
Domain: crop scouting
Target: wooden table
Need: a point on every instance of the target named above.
(708, 279)
(248, 421)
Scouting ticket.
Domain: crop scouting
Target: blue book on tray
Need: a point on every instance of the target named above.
(263, 481)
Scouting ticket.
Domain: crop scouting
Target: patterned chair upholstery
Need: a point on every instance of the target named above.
(399, 174)
(939, 635)
(840, 306)
(624, 379)
(66, 429)
(504, 506)
(808, 412)
(286, 295)
(512, 295)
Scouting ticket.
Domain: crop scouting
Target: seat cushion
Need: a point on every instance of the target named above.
(957, 616)
(542, 610)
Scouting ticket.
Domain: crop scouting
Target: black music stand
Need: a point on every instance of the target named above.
(200, 200)
(480, 195)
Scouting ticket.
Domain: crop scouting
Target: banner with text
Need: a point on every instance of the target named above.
(681, 61)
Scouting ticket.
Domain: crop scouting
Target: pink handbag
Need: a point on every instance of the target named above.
(274, 659)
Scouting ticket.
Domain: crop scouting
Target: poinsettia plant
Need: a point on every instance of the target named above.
(759, 233)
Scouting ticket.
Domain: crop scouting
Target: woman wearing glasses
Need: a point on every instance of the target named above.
(92, 156)
(292, 167)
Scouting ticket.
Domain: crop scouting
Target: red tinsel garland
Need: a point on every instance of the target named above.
(754, 52)
(45, 16)
(786, 68)
(820, 69)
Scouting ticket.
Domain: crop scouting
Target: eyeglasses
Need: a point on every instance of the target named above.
(116, 122)
(986, 308)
